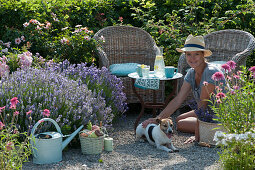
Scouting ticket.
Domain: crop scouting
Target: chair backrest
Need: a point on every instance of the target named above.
(229, 44)
(225, 45)
(125, 44)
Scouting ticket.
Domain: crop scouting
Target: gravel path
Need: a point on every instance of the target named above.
(131, 154)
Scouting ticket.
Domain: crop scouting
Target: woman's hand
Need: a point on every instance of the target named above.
(149, 121)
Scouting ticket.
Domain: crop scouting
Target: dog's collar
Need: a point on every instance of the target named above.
(150, 133)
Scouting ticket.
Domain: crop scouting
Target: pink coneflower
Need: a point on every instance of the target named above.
(46, 113)
(228, 77)
(232, 64)
(236, 76)
(219, 101)
(205, 83)
(14, 102)
(17, 41)
(1, 125)
(252, 69)
(226, 67)
(16, 113)
(232, 92)
(218, 76)
(29, 112)
(220, 95)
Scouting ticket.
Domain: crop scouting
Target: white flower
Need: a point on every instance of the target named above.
(5, 50)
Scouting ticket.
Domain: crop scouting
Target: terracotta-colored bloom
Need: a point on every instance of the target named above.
(46, 113)
(220, 95)
(252, 69)
(232, 64)
(218, 76)
(226, 67)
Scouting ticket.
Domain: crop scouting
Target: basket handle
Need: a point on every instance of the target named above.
(43, 120)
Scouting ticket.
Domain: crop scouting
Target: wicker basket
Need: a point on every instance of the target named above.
(207, 131)
(92, 145)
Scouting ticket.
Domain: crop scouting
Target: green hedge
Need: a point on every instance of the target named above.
(168, 21)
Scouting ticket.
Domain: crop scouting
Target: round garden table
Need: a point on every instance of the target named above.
(154, 105)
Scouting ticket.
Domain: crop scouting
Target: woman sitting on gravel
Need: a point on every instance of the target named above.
(194, 80)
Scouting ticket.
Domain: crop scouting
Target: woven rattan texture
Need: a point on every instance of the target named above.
(225, 45)
(125, 44)
(92, 145)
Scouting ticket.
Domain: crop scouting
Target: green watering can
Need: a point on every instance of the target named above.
(47, 146)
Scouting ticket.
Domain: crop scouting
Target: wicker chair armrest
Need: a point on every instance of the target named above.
(240, 58)
(103, 59)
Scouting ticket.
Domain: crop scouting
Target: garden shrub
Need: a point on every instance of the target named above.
(97, 80)
(70, 103)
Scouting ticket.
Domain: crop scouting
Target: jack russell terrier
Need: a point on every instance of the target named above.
(159, 135)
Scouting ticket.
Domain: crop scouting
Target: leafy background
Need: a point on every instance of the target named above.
(168, 21)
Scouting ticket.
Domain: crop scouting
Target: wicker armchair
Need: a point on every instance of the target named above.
(225, 45)
(125, 44)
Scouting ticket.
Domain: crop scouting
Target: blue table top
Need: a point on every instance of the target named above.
(151, 75)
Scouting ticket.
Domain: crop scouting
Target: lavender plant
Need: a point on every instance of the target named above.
(100, 81)
(71, 103)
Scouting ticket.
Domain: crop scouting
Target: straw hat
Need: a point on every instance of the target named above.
(195, 44)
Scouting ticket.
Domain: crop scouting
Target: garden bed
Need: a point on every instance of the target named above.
(131, 154)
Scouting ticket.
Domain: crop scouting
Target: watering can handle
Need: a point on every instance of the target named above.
(43, 120)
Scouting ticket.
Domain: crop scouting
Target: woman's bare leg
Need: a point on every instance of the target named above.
(187, 122)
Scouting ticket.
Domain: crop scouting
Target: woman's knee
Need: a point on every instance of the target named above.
(187, 125)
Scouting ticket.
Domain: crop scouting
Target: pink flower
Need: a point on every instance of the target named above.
(219, 101)
(87, 37)
(14, 102)
(40, 121)
(252, 69)
(1, 125)
(218, 76)
(23, 38)
(121, 19)
(46, 113)
(29, 112)
(220, 95)
(17, 41)
(236, 76)
(9, 146)
(228, 77)
(205, 83)
(226, 67)
(236, 87)
(232, 64)
(16, 113)
(2, 108)
(26, 24)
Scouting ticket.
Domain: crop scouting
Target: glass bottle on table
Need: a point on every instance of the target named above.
(159, 65)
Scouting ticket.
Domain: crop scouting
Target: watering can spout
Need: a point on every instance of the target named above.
(65, 143)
